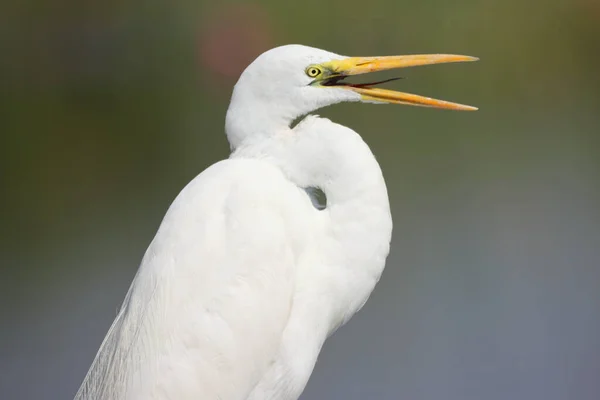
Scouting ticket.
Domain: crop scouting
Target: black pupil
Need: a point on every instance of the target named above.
(313, 71)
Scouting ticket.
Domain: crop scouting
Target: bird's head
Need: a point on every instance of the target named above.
(289, 81)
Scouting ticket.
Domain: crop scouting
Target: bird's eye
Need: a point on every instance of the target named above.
(313, 72)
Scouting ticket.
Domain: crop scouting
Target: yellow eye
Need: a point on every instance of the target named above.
(313, 71)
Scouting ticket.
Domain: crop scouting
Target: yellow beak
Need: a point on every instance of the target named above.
(338, 69)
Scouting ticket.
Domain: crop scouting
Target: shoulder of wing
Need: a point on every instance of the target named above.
(215, 287)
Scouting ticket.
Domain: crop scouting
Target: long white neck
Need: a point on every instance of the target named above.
(339, 162)
(352, 235)
(357, 220)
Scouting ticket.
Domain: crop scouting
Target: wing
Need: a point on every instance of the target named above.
(205, 313)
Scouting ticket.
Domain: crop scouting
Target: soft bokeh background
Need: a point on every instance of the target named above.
(492, 288)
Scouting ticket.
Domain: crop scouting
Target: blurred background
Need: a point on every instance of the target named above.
(492, 288)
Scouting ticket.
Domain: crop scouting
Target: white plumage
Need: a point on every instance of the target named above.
(245, 278)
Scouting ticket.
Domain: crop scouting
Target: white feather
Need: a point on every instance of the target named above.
(245, 279)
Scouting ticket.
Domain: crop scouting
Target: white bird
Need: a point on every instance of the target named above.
(245, 278)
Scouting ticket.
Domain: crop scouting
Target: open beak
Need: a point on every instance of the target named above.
(337, 70)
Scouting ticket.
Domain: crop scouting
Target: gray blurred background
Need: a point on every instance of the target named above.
(492, 288)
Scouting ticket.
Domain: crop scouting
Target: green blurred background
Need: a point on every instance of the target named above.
(492, 288)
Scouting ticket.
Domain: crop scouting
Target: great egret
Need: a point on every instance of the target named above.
(245, 278)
